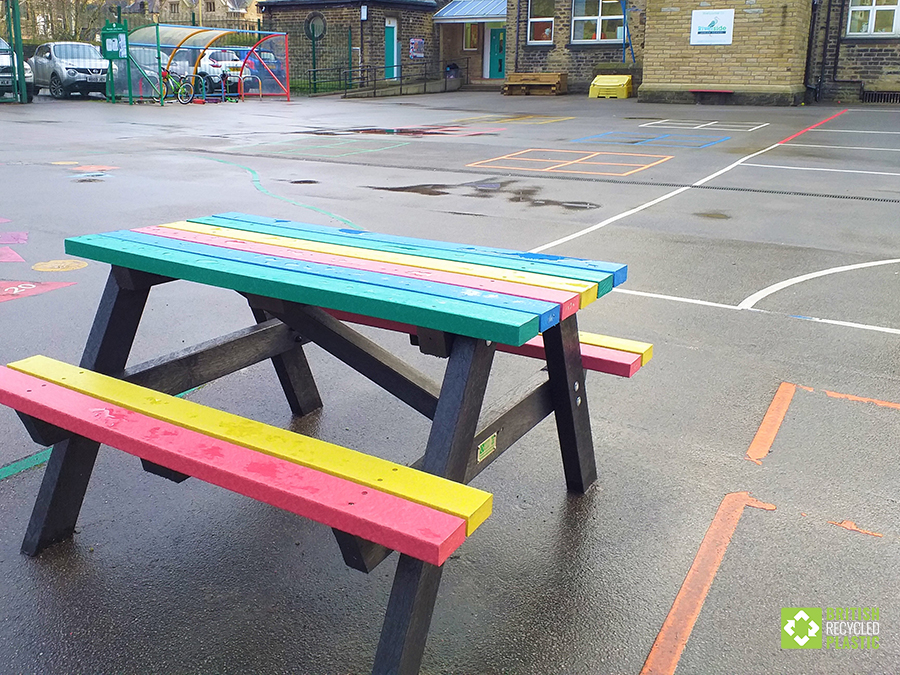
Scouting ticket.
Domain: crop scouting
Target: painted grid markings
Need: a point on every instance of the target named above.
(714, 125)
(512, 119)
(661, 141)
(342, 147)
(562, 161)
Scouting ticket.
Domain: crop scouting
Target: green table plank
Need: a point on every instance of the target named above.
(454, 316)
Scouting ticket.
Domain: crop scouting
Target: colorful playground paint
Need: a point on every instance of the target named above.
(59, 265)
(13, 237)
(8, 255)
(10, 290)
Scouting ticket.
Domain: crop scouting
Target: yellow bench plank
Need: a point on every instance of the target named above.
(631, 346)
(465, 502)
(586, 290)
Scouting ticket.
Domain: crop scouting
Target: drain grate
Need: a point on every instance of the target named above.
(881, 97)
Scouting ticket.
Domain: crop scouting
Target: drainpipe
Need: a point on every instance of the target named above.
(809, 44)
(837, 54)
(824, 50)
(518, 31)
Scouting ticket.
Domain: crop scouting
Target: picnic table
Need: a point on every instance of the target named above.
(305, 283)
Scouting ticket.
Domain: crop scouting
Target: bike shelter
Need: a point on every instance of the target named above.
(220, 63)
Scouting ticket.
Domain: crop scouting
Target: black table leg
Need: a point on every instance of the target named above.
(415, 588)
(71, 461)
(573, 422)
(295, 375)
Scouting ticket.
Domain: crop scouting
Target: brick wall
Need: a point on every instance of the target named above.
(862, 62)
(764, 64)
(332, 51)
(578, 60)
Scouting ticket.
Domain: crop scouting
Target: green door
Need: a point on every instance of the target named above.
(391, 55)
(497, 53)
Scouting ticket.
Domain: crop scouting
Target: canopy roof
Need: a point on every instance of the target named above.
(185, 37)
(472, 11)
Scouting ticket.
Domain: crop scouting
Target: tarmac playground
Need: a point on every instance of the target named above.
(749, 467)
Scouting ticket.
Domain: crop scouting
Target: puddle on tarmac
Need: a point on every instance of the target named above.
(488, 190)
(715, 215)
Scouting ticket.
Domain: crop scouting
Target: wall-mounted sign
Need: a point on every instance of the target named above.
(417, 48)
(712, 26)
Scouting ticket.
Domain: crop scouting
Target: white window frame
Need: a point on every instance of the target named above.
(598, 18)
(872, 11)
(466, 28)
(541, 19)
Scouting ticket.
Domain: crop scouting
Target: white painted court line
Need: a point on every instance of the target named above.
(813, 168)
(854, 131)
(647, 205)
(748, 302)
(705, 303)
(843, 147)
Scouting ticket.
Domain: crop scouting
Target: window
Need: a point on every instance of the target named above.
(872, 17)
(209, 7)
(540, 21)
(597, 21)
(173, 8)
(470, 36)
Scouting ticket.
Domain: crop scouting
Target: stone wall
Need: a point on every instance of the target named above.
(332, 51)
(863, 63)
(578, 60)
(452, 49)
(765, 63)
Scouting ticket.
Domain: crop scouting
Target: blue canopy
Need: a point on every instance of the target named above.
(472, 11)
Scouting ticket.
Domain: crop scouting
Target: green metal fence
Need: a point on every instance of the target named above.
(14, 72)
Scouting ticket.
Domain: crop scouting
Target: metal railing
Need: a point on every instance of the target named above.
(388, 79)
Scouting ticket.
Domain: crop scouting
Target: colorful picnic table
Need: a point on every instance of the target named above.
(303, 283)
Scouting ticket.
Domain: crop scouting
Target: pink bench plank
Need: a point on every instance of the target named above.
(597, 359)
(569, 302)
(410, 528)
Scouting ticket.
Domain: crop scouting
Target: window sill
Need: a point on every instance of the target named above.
(540, 45)
(599, 44)
(862, 39)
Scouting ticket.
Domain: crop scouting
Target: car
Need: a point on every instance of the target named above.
(263, 63)
(7, 76)
(67, 67)
(220, 61)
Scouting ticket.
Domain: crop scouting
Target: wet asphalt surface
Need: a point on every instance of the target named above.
(189, 578)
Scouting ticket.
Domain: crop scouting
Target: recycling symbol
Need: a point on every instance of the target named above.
(812, 628)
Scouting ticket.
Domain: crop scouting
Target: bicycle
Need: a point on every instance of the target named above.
(173, 85)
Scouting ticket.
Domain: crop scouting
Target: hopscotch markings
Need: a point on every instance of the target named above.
(8, 255)
(13, 237)
(562, 161)
(713, 125)
(662, 141)
(10, 290)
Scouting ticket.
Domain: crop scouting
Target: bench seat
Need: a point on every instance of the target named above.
(599, 353)
(422, 515)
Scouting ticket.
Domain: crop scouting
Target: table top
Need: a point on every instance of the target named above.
(493, 294)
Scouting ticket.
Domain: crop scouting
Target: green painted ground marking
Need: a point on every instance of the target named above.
(24, 464)
(258, 185)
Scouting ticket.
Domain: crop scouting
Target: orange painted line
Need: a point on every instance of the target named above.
(676, 629)
(850, 525)
(850, 397)
(771, 423)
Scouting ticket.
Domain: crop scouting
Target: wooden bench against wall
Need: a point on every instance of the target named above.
(546, 84)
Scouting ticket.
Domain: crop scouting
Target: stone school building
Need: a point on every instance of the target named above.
(779, 52)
